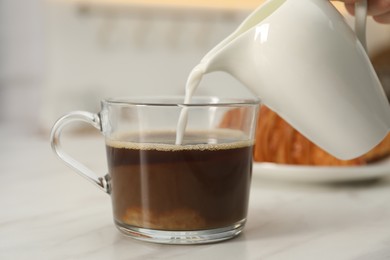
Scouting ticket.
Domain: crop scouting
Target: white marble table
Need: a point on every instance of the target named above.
(48, 212)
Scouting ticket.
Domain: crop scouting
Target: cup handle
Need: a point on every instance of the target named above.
(55, 140)
(360, 21)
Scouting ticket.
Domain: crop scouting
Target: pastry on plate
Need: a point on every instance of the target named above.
(278, 142)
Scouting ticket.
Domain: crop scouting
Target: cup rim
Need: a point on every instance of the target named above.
(196, 101)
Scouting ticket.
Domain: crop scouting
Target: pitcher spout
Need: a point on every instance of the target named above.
(232, 52)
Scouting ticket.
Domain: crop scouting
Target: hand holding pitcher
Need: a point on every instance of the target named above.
(378, 9)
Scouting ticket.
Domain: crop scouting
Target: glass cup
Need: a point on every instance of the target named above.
(189, 193)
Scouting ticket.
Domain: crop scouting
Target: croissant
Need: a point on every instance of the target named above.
(278, 142)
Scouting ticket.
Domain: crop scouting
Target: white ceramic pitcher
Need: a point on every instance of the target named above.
(306, 63)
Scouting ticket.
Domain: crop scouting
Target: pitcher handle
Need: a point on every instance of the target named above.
(55, 140)
(360, 21)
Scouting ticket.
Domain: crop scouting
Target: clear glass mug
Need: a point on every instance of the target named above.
(189, 193)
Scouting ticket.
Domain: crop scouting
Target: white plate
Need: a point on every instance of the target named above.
(321, 174)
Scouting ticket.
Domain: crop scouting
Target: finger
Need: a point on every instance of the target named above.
(346, 1)
(350, 8)
(384, 18)
(375, 7)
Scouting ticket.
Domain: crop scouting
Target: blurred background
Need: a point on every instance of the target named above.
(62, 55)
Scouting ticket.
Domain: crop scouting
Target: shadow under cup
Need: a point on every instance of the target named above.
(193, 192)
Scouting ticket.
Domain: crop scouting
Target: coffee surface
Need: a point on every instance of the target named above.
(201, 184)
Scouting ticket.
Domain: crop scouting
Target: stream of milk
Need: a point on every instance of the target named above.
(192, 84)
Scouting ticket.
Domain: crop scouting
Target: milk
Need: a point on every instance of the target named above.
(192, 84)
